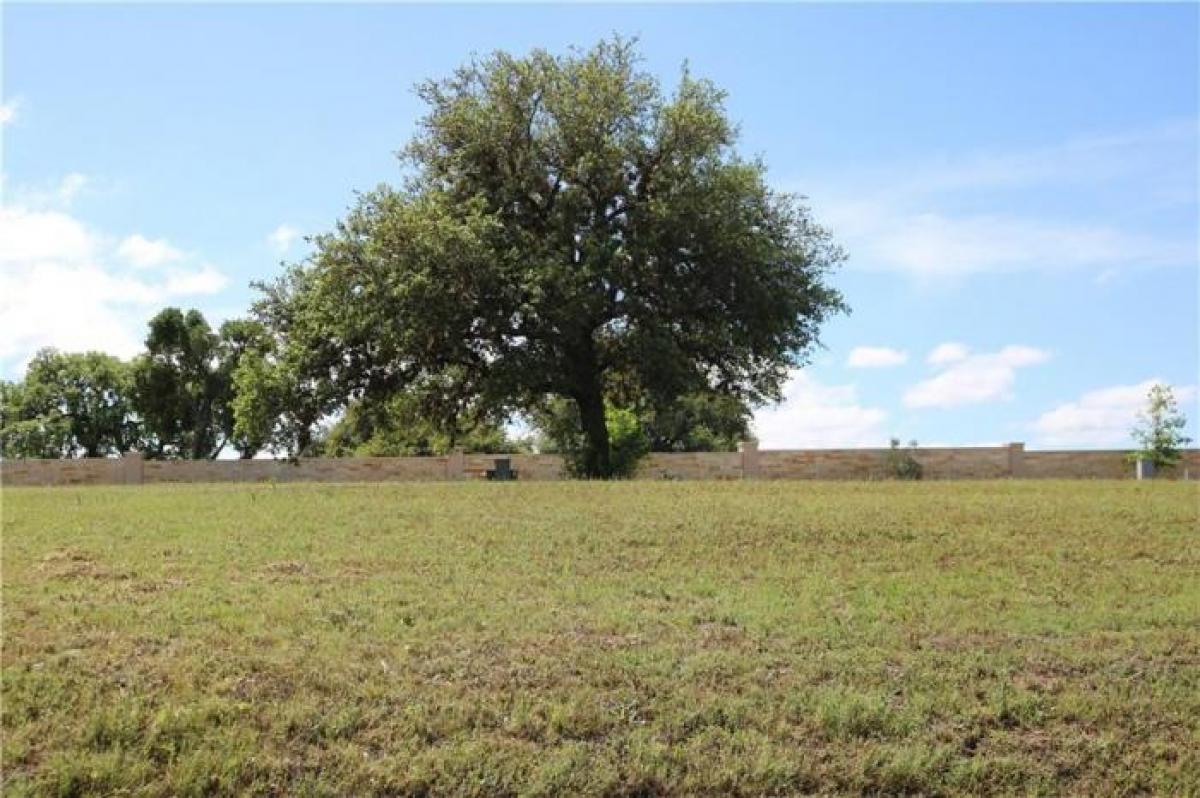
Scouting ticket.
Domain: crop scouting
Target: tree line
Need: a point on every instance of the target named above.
(571, 245)
(179, 400)
(172, 401)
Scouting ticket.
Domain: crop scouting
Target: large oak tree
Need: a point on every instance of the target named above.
(567, 229)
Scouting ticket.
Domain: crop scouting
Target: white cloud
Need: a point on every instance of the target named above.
(875, 357)
(948, 352)
(70, 187)
(816, 415)
(143, 253)
(1139, 154)
(1102, 417)
(933, 245)
(63, 284)
(948, 220)
(72, 306)
(34, 236)
(8, 110)
(985, 377)
(58, 195)
(205, 280)
(282, 238)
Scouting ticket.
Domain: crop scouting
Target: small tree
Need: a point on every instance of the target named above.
(1159, 431)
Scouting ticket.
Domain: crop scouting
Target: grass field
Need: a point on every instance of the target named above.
(609, 639)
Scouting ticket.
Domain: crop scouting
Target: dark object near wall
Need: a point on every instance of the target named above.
(503, 472)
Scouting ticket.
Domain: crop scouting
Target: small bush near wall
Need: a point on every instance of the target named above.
(900, 462)
(627, 439)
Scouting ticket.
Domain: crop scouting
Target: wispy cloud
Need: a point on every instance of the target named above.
(949, 352)
(868, 357)
(1103, 417)
(931, 246)
(282, 238)
(8, 110)
(972, 378)
(813, 414)
(1146, 154)
(950, 219)
(59, 194)
(70, 187)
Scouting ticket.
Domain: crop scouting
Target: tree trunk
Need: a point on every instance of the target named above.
(304, 439)
(597, 463)
(199, 448)
(589, 399)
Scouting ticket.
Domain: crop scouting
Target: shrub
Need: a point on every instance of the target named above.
(900, 462)
(558, 425)
(627, 440)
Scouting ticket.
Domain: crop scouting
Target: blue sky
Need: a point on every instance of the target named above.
(1016, 185)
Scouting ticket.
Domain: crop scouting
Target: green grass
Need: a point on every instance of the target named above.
(609, 639)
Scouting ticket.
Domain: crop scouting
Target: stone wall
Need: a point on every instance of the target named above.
(691, 465)
(1106, 464)
(72, 472)
(961, 463)
(984, 462)
(316, 469)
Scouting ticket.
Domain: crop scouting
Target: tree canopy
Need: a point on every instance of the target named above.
(567, 230)
(69, 405)
(184, 385)
(174, 400)
(398, 428)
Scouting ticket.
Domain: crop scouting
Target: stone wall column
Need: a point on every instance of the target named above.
(456, 465)
(749, 450)
(133, 468)
(1016, 460)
